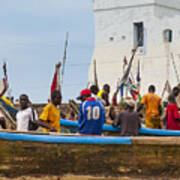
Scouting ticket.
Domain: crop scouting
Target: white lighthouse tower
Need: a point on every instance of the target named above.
(119, 25)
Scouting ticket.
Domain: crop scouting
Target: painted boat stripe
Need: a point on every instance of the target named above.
(143, 130)
(65, 139)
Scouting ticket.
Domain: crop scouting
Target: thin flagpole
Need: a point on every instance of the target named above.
(64, 57)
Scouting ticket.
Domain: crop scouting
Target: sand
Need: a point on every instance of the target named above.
(73, 177)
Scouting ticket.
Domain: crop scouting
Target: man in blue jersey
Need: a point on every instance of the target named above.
(91, 114)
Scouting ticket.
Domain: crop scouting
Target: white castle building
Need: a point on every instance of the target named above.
(119, 24)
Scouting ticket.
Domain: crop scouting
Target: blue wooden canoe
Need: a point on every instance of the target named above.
(62, 139)
(73, 127)
(44, 154)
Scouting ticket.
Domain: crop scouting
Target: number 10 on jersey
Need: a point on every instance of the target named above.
(93, 113)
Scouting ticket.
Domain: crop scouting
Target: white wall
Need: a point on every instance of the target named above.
(108, 4)
(118, 23)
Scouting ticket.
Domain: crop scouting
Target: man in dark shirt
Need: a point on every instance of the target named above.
(129, 121)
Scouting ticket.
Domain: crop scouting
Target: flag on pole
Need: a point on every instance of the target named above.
(132, 88)
(54, 82)
(127, 72)
(56, 79)
(125, 77)
(134, 92)
(121, 89)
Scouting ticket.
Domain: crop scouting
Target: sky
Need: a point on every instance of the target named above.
(32, 35)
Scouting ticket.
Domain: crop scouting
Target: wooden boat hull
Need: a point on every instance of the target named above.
(36, 154)
(72, 127)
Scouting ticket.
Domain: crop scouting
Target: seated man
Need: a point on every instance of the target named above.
(128, 120)
(72, 116)
(91, 114)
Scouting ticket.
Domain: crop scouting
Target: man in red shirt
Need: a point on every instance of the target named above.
(172, 115)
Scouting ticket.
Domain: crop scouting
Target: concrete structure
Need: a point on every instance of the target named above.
(118, 26)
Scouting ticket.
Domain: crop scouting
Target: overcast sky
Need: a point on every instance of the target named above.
(32, 34)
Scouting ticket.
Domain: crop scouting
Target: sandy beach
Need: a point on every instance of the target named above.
(74, 177)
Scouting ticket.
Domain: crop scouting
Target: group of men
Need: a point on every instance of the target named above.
(92, 113)
(27, 118)
(161, 115)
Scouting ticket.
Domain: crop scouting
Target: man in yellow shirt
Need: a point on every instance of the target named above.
(152, 103)
(50, 117)
(104, 94)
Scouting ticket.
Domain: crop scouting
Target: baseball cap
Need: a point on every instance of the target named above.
(84, 92)
(130, 103)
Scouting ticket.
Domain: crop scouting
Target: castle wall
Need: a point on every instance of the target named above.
(115, 39)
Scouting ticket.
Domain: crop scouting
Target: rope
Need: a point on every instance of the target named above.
(167, 85)
(168, 61)
(175, 68)
(167, 88)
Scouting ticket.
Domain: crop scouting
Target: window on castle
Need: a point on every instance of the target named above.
(138, 34)
(168, 35)
(111, 39)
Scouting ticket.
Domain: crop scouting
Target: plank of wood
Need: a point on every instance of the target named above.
(9, 120)
(145, 140)
(39, 133)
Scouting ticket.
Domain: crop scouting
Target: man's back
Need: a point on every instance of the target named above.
(129, 123)
(152, 103)
(172, 115)
(92, 117)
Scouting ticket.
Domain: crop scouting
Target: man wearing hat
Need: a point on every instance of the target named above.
(91, 114)
(128, 120)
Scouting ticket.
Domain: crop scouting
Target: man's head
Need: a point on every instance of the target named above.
(85, 93)
(106, 88)
(94, 89)
(72, 114)
(171, 99)
(24, 101)
(175, 91)
(130, 104)
(63, 116)
(56, 97)
(152, 89)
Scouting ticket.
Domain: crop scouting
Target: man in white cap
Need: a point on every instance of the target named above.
(128, 120)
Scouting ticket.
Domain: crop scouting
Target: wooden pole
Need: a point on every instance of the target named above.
(95, 74)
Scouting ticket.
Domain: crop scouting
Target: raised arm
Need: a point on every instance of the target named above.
(5, 87)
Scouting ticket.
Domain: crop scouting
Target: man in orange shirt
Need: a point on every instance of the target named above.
(152, 103)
